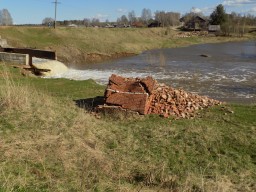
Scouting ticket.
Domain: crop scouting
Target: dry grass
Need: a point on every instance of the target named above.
(44, 140)
(13, 96)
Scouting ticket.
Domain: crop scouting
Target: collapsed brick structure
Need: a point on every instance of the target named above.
(129, 93)
(147, 96)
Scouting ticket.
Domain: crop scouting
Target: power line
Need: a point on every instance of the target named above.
(56, 4)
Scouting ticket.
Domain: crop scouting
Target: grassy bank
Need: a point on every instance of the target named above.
(47, 143)
(85, 45)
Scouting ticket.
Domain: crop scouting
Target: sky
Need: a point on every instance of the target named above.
(34, 11)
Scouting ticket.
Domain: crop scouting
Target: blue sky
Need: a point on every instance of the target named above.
(34, 11)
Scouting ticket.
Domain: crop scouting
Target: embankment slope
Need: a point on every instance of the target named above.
(89, 45)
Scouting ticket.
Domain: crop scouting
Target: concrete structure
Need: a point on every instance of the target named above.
(3, 43)
(22, 55)
(47, 67)
(16, 58)
(32, 53)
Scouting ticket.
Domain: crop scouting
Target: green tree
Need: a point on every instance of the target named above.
(218, 16)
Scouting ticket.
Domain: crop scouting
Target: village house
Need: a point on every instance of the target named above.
(137, 24)
(195, 23)
(214, 28)
(155, 24)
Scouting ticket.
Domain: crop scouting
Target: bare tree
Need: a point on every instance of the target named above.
(86, 22)
(167, 18)
(159, 16)
(251, 20)
(237, 24)
(132, 17)
(95, 22)
(5, 17)
(124, 19)
(48, 21)
(146, 15)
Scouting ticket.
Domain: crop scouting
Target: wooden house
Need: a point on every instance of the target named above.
(154, 24)
(195, 23)
(214, 28)
(137, 24)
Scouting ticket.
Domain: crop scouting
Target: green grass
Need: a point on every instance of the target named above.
(47, 143)
(67, 89)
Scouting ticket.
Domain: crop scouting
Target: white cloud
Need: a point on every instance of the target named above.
(207, 10)
(204, 10)
(101, 16)
(239, 2)
(120, 10)
(241, 6)
(252, 10)
(195, 10)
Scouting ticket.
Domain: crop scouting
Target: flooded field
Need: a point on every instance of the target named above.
(225, 71)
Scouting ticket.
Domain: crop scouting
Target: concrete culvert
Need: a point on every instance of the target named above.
(49, 67)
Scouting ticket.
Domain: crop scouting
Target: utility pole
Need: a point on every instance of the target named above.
(56, 4)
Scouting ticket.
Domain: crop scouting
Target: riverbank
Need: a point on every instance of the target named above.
(90, 45)
(49, 143)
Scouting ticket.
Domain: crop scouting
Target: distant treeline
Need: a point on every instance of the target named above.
(231, 23)
(160, 18)
(237, 23)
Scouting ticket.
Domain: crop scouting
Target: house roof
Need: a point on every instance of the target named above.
(200, 18)
(197, 17)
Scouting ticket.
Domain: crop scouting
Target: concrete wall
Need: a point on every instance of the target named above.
(32, 53)
(3, 43)
(16, 58)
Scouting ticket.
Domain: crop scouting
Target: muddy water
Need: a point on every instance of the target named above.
(225, 71)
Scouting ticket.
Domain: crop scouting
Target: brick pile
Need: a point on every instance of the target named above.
(191, 34)
(168, 101)
(147, 96)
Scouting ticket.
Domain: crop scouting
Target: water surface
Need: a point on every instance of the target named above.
(227, 74)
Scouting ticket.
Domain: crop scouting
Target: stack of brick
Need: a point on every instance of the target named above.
(129, 93)
(146, 96)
